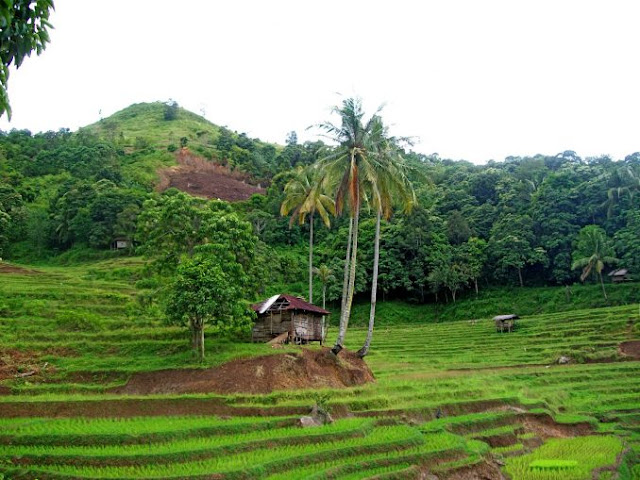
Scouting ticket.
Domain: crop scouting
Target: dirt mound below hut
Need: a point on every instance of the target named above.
(307, 369)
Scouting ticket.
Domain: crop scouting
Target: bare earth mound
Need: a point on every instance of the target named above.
(6, 268)
(202, 178)
(631, 349)
(307, 369)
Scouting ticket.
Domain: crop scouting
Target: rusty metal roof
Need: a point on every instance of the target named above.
(291, 303)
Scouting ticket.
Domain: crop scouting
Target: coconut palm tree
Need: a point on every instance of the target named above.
(391, 183)
(349, 165)
(593, 252)
(304, 195)
(622, 181)
(363, 167)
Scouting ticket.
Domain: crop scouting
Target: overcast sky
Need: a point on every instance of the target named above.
(474, 80)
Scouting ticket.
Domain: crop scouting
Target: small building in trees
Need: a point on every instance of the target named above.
(119, 243)
(288, 316)
(620, 275)
(505, 323)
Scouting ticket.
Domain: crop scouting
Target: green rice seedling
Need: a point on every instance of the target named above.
(583, 455)
(260, 460)
(181, 449)
(553, 465)
(500, 451)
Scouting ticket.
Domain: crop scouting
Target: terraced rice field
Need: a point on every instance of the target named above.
(452, 399)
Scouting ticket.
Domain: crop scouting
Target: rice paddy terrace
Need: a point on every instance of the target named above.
(452, 400)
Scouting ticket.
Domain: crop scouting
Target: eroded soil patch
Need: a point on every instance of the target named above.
(17, 362)
(631, 349)
(203, 178)
(307, 369)
(6, 268)
(485, 470)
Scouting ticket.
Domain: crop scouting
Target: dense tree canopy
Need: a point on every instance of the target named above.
(504, 223)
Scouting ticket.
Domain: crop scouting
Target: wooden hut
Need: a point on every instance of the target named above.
(280, 314)
(505, 322)
(620, 275)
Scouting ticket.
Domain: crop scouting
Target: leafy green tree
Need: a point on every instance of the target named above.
(304, 195)
(622, 181)
(11, 209)
(449, 269)
(171, 110)
(556, 222)
(5, 222)
(592, 251)
(473, 254)
(458, 229)
(209, 289)
(408, 245)
(23, 29)
(513, 244)
(173, 225)
(627, 243)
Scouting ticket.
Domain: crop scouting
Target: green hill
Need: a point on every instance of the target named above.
(146, 125)
(165, 126)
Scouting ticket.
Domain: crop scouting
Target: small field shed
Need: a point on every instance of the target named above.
(620, 275)
(505, 323)
(304, 322)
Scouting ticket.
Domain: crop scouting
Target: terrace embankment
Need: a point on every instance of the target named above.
(307, 369)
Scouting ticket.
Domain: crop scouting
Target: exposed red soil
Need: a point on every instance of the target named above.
(630, 349)
(478, 471)
(202, 178)
(502, 440)
(15, 363)
(5, 268)
(144, 407)
(307, 369)
(544, 426)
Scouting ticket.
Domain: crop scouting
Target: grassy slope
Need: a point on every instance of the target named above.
(146, 121)
(502, 300)
(87, 318)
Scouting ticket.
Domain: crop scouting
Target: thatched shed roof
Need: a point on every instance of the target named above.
(621, 272)
(287, 302)
(511, 316)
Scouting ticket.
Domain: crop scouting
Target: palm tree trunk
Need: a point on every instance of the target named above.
(324, 296)
(603, 290)
(520, 276)
(324, 303)
(311, 258)
(345, 287)
(344, 318)
(345, 284)
(374, 290)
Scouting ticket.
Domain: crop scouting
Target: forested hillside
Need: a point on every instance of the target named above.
(523, 221)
